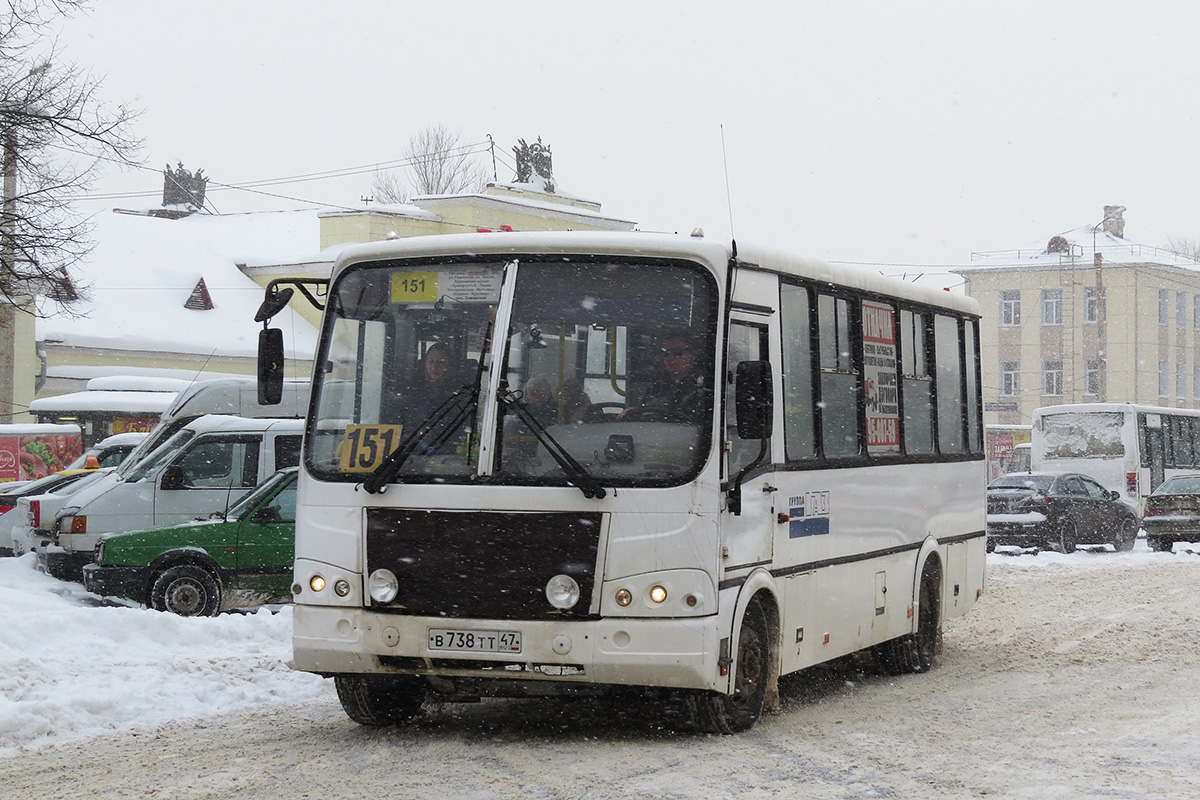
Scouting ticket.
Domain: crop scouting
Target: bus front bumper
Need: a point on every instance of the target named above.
(675, 653)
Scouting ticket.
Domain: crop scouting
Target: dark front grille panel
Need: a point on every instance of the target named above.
(483, 564)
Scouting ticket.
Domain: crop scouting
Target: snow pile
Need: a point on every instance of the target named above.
(71, 668)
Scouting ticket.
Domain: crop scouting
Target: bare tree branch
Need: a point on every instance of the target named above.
(1183, 246)
(54, 130)
(389, 187)
(439, 164)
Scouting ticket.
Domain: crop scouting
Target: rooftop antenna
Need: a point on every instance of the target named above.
(728, 195)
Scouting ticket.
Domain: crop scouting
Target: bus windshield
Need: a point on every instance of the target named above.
(606, 360)
(1072, 435)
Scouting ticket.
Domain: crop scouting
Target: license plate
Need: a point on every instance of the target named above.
(475, 641)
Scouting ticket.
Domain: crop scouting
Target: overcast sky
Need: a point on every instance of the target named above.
(907, 134)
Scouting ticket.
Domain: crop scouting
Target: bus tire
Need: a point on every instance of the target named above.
(384, 701)
(915, 652)
(187, 590)
(713, 712)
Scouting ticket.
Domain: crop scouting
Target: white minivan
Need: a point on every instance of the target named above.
(204, 467)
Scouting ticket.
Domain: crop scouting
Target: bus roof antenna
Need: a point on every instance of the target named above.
(728, 195)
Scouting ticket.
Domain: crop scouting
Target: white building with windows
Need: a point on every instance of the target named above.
(1086, 316)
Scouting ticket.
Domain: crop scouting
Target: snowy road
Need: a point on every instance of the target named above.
(1076, 676)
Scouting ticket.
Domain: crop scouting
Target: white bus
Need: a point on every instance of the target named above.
(663, 462)
(1126, 447)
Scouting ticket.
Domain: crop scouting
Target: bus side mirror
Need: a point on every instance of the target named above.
(270, 366)
(755, 410)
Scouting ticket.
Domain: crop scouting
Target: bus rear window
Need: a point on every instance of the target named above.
(1071, 435)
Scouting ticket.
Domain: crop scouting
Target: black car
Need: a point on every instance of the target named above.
(1056, 511)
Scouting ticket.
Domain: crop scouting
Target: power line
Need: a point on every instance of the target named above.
(253, 185)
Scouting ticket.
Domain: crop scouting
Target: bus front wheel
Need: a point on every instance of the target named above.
(733, 713)
(385, 701)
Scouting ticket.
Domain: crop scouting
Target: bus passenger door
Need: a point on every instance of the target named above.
(1155, 451)
(747, 535)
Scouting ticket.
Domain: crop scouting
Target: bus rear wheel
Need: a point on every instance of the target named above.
(712, 712)
(384, 701)
(915, 652)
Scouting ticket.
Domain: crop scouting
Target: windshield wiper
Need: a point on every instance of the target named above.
(576, 472)
(456, 409)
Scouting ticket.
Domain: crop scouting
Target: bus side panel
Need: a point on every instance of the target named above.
(848, 551)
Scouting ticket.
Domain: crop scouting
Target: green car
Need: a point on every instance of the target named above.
(243, 557)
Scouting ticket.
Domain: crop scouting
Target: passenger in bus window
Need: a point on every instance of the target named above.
(574, 400)
(682, 394)
(435, 381)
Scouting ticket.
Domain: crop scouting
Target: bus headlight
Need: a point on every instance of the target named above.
(316, 583)
(383, 586)
(562, 591)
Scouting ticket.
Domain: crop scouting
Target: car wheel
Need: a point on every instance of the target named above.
(385, 701)
(187, 590)
(1126, 537)
(733, 713)
(1160, 544)
(916, 651)
(1068, 537)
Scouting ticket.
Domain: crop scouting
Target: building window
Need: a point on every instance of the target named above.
(1010, 378)
(1181, 381)
(1180, 309)
(1091, 378)
(1093, 305)
(1052, 377)
(1010, 307)
(1164, 380)
(1164, 307)
(1052, 306)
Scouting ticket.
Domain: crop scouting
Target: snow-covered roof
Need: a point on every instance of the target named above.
(115, 402)
(144, 268)
(1077, 248)
(532, 205)
(392, 209)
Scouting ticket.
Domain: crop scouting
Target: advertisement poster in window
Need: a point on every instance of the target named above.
(879, 378)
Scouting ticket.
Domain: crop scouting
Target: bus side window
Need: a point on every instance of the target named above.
(798, 404)
(916, 383)
(949, 385)
(974, 417)
(839, 378)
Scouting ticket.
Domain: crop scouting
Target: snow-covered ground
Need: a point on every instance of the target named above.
(72, 667)
(1073, 677)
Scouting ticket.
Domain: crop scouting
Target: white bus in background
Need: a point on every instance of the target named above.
(549, 526)
(1127, 447)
